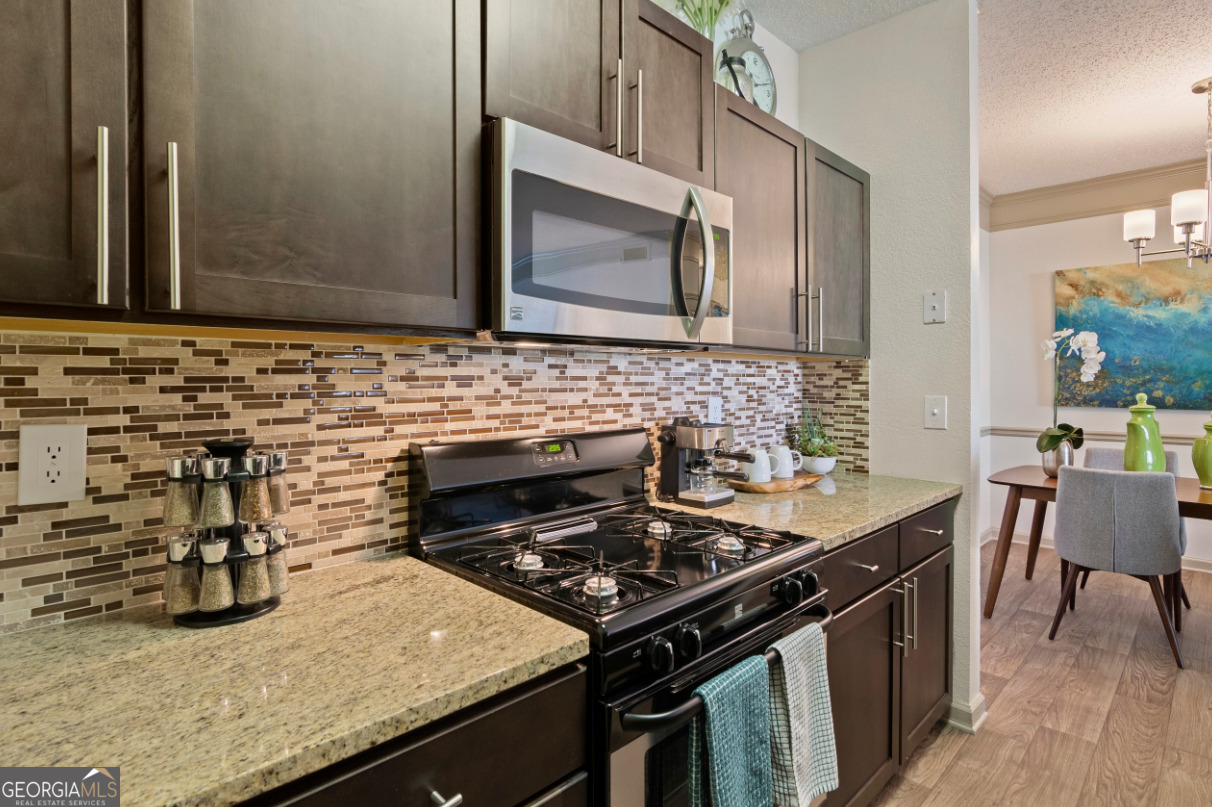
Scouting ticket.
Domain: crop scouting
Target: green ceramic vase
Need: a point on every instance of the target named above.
(1201, 455)
(1144, 451)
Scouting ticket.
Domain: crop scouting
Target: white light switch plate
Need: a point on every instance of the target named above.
(51, 464)
(934, 307)
(936, 411)
(715, 409)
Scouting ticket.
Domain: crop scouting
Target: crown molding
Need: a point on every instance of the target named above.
(1100, 196)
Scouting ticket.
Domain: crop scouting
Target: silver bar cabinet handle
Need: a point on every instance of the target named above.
(810, 295)
(932, 532)
(174, 231)
(915, 590)
(872, 569)
(617, 77)
(639, 114)
(820, 320)
(905, 619)
(453, 801)
(102, 215)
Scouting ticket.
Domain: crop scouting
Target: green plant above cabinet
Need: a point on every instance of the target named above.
(63, 193)
(303, 172)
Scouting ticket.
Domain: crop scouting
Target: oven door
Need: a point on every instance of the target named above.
(588, 245)
(650, 768)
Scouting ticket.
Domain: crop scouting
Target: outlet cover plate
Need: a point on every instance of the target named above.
(51, 464)
(934, 307)
(936, 411)
(715, 409)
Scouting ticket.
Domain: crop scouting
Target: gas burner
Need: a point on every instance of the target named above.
(601, 589)
(661, 530)
(729, 544)
(528, 561)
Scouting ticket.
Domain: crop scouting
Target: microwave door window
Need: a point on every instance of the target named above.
(576, 247)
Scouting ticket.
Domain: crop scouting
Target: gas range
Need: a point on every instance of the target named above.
(562, 525)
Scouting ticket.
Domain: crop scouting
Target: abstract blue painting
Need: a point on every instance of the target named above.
(1155, 324)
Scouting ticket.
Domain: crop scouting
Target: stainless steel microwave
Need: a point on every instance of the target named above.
(590, 246)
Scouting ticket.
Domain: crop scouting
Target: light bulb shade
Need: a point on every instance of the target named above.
(1140, 224)
(1189, 207)
(1197, 234)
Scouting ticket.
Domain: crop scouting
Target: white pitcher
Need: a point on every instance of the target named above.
(786, 462)
(762, 466)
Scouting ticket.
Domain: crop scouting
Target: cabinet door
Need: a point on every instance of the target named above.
(551, 64)
(839, 253)
(62, 180)
(864, 685)
(760, 164)
(326, 168)
(670, 99)
(926, 677)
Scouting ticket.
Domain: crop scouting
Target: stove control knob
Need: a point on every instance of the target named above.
(660, 655)
(689, 642)
(810, 582)
(790, 591)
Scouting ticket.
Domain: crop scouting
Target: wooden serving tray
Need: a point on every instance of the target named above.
(802, 479)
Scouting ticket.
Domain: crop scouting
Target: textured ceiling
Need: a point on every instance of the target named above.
(1074, 89)
(803, 24)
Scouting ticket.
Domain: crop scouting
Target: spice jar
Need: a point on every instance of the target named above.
(275, 561)
(279, 493)
(217, 591)
(182, 584)
(216, 509)
(254, 498)
(181, 496)
(254, 576)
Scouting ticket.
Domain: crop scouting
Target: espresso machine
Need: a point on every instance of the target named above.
(689, 451)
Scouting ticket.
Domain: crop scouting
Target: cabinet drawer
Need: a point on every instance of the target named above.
(926, 533)
(491, 754)
(859, 567)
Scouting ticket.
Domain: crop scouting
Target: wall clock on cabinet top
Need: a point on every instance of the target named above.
(753, 71)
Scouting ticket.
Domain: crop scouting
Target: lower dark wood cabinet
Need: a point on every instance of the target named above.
(926, 671)
(864, 684)
(492, 754)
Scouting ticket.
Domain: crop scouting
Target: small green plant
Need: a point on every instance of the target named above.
(811, 439)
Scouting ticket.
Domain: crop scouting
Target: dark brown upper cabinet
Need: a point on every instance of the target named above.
(760, 164)
(670, 99)
(63, 114)
(553, 64)
(303, 160)
(839, 254)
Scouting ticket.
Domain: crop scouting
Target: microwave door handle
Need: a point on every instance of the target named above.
(695, 199)
(675, 269)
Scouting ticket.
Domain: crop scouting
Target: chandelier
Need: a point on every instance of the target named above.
(1190, 211)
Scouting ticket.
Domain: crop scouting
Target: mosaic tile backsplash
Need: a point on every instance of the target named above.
(346, 415)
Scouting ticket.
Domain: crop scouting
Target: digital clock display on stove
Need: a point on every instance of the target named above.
(558, 453)
(554, 448)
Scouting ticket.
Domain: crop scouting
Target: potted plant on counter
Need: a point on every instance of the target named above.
(814, 444)
(1058, 443)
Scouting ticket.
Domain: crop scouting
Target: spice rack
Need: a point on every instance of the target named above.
(241, 561)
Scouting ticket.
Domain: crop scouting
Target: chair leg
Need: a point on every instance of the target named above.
(1085, 577)
(1070, 583)
(1176, 606)
(1155, 585)
(1182, 589)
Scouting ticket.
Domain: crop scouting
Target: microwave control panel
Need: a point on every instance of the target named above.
(554, 452)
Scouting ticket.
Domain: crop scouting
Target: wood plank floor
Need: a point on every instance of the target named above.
(1100, 716)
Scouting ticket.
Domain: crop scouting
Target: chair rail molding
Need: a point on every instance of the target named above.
(1098, 437)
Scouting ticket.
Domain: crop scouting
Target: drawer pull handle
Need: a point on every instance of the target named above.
(102, 215)
(453, 801)
(932, 532)
(174, 231)
(872, 569)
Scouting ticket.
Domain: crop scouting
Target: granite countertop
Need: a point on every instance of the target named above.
(839, 508)
(355, 655)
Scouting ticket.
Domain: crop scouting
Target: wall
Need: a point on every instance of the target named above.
(1021, 263)
(346, 414)
(898, 99)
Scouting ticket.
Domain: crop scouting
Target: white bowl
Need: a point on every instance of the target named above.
(819, 465)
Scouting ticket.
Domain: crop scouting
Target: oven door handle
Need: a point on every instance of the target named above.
(694, 323)
(665, 720)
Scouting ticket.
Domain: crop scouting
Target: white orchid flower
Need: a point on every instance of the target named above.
(1093, 356)
(1086, 377)
(1082, 340)
(1062, 334)
(1049, 347)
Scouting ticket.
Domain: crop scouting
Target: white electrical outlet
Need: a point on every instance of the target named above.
(51, 464)
(936, 411)
(715, 409)
(934, 307)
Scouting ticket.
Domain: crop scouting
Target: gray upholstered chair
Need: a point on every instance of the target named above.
(1120, 521)
(1112, 459)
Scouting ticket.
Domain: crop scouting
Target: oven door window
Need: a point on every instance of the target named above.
(572, 246)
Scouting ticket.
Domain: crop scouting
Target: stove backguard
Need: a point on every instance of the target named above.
(461, 489)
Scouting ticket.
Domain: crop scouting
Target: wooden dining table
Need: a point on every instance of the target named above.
(1030, 482)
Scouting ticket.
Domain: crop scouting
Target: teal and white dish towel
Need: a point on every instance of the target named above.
(729, 762)
(803, 752)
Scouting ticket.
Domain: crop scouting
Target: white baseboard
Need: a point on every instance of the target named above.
(1190, 564)
(968, 718)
